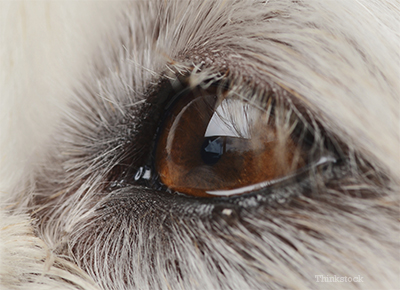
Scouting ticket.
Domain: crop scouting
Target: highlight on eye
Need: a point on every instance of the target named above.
(215, 143)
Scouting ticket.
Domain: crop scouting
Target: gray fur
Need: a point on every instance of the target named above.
(339, 59)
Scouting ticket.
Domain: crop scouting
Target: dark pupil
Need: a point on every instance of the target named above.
(212, 149)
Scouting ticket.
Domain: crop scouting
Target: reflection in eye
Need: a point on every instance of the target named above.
(218, 144)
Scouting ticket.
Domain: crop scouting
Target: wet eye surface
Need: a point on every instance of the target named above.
(214, 143)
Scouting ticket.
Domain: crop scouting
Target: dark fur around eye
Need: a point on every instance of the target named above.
(135, 166)
(104, 166)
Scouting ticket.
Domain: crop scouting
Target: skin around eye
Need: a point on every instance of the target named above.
(212, 142)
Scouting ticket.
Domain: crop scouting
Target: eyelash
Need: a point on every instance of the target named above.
(153, 113)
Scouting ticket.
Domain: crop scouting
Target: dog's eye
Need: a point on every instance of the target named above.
(214, 143)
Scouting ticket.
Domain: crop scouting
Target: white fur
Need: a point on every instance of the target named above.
(343, 64)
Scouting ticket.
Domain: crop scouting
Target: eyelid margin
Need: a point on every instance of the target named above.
(325, 160)
(162, 96)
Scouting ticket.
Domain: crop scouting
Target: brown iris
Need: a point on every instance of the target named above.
(213, 144)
